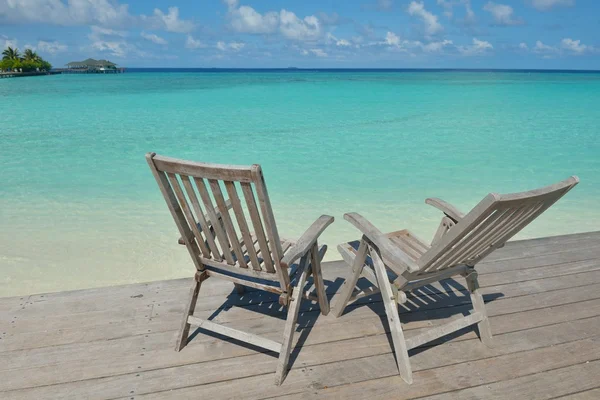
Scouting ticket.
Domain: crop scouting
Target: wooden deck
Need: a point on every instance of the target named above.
(543, 297)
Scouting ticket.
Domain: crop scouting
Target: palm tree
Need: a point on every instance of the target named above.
(31, 55)
(11, 54)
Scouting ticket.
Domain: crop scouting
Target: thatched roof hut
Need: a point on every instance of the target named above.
(90, 63)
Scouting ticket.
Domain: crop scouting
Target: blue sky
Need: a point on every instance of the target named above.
(561, 34)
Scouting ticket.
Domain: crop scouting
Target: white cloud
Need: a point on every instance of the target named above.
(245, 19)
(5, 42)
(502, 13)
(448, 6)
(478, 47)
(545, 5)
(565, 47)
(330, 38)
(118, 49)
(153, 38)
(295, 28)
(523, 46)
(50, 47)
(100, 31)
(432, 26)
(169, 22)
(575, 46)
(192, 43)
(316, 52)
(235, 46)
(391, 39)
(544, 49)
(103, 13)
(434, 47)
(57, 12)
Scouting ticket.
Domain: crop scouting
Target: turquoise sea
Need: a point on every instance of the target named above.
(79, 207)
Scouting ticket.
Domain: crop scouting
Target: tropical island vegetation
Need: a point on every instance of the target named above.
(30, 61)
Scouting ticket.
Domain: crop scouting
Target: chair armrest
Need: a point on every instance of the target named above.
(207, 218)
(451, 212)
(307, 240)
(390, 252)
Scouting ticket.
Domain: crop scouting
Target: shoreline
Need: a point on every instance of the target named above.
(187, 271)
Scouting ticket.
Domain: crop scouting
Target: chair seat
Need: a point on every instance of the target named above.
(409, 243)
(404, 239)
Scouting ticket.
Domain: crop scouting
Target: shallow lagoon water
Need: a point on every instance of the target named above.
(79, 207)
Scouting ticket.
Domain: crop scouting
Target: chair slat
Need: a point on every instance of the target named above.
(269, 221)
(241, 220)
(452, 256)
(188, 213)
(210, 209)
(258, 227)
(206, 227)
(507, 235)
(229, 228)
(512, 226)
(473, 240)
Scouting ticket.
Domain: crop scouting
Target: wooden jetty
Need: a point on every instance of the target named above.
(22, 74)
(542, 296)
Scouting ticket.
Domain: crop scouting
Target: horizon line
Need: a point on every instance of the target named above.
(370, 69)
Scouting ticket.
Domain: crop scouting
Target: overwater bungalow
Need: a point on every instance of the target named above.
(91, 66)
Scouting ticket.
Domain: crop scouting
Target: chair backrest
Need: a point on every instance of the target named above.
(489, 225)
(200, 197)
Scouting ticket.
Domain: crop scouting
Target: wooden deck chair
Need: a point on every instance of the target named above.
(460, 243)
(223, 246)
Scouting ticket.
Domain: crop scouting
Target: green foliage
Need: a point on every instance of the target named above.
(31, 61)
(31, 55)
(11, 54)
(6, 64)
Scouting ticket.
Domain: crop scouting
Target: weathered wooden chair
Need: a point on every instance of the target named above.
(222, 246)
(460, 242)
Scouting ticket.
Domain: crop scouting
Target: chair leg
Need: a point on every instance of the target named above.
(317, 274)
(184, 331)
(240, 289)
(391, 310)
(290, 325)
(483, 326)
(349, 284)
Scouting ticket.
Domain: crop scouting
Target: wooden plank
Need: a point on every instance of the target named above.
(204, 224)
(391, 311)
(290, 323)
(241, 220)
(203, 170)
(175, 209)
(438, 332)
(119, 310)
(361, 378)
(210, 209)
(244, 282)
(229, 228)
(593, 394)
(356, 267)
(556, 384)
(533, 337)
(317, 274)
(188, 214)
(258, 226)
(236, 334)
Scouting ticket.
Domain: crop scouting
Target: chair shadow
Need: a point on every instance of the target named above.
(427, 303)
(267, 304)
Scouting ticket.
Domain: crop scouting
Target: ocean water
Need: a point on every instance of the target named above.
(79, 207)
